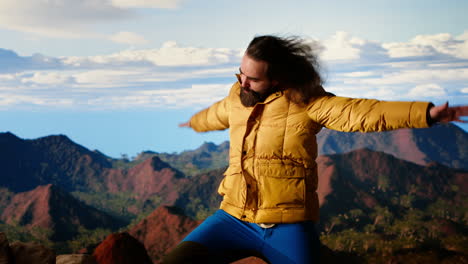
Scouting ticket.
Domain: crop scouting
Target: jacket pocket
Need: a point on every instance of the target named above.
(281, 192)
(281, 186)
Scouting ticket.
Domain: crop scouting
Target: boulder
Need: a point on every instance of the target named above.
(121, 248)
(27, 253)
(75, 259)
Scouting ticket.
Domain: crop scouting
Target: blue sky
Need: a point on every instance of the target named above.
(119, 75)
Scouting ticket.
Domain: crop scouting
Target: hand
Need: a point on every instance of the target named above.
(186, 124)
(444, 113)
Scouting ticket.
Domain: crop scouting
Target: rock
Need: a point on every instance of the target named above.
(5, 252)
(162, 230)
(121, 248)
(27, 253)
(250, 260)
(75, 259)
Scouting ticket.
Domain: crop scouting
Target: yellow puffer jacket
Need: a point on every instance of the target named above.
(272, 174)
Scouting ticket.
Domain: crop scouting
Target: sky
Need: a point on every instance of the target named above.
(118, 76)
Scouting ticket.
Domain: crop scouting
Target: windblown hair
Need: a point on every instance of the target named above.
(292, 63)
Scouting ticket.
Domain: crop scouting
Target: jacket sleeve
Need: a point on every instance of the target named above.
(367, 115)
(215, 117)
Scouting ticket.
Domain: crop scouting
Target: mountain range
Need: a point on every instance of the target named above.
(52, 209)
(368, 183)
(444, 143)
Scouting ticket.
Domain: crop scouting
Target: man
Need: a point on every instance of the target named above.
(274, 111)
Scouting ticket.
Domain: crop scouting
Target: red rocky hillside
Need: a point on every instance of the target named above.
(51, 208)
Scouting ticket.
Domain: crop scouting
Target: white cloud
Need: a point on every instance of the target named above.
(170, 54)
(8, 100)
(149, 78)
(7, 77)
(427, 90)
(71, 18)
(131, 38)
(48, 78)
(197, 96)
(58, 18)
(451, 65)
(341, 46)
(400, 50)
(147, 3)
(407, 64)
(344, 47)
(415, 76)
(430, 45)
(109, 78)
(359, 74)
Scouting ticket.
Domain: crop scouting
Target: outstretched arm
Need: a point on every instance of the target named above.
(444, 113)
(215, 117)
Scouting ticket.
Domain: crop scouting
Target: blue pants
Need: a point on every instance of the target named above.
(282, 244)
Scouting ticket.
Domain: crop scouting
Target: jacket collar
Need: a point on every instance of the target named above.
(273, 97)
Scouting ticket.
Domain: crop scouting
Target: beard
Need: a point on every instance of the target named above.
(250, 98)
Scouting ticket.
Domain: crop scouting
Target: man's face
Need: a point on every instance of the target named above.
(256, 86)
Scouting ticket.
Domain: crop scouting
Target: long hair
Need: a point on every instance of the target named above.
(292, 63)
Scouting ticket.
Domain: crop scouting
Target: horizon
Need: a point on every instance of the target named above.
(119, 76)
(133, 157)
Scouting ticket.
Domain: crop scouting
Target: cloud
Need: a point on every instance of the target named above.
(341, 46)
(105, 77)
(131, 38)
(197, 96)
(11, 99)
(58, 18)
(170, 54)
(48, 78)
(427, 90)
(147, 3)
(7, 77)
(178, 76)
(416, 76)
(344, 47)
(359, 74)
(430, 45)
(71, 18)
(10, 61)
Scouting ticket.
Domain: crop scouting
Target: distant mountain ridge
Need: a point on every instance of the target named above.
(207, 157)
(446, 144)
(51, 208)
(89, 175)
(365, 179)
(26, 164)
(368, 178)
(58, 160)
(151, 177)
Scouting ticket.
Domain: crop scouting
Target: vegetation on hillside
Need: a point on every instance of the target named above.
(192, 162)
(402, 224)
